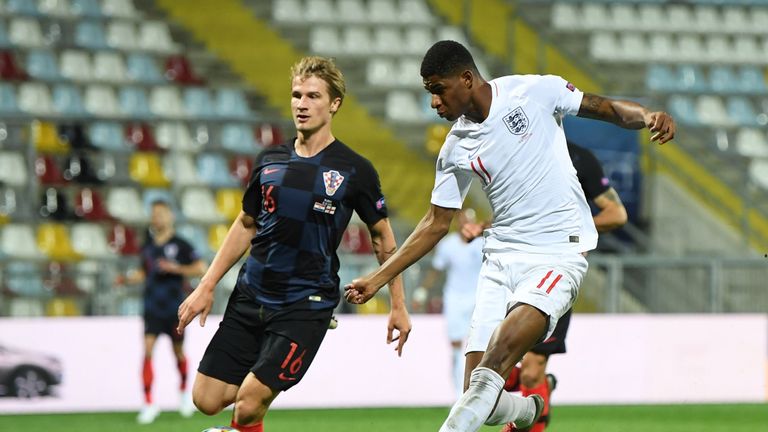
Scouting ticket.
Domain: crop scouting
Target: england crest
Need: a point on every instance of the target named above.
(332, 180)
(516, 121)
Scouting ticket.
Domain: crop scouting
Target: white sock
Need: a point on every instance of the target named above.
(470, 411)
(512, 409)
(458, 371)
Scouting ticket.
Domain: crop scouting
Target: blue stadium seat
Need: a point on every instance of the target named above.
(21, 7)
(42, 65)
(751, 80)
(722, 79)
(661, 78)
(238, 138)
(134, 103)
(742, 111)
(4, 41)
(23, 278)
(90, 34)
(142, 68)
(86, 8)
(108, 136)
(8, 103)
(683, 109)
(230, 103)
(212, 169)
(198, 103)
(67, 100)
(197, 236)
(691, 78)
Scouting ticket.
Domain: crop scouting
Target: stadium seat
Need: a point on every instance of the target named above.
(287, 11)
(678, 16)
(356, 239)
(54, 205)
(175, 136)
(382, 12)
(47, 172)
(660, 78)
(741, 110)
(239, 138)
(650, 16)
(56, 8)
(415, 12)
(35, 99)
(62, 307)
(449, 32)
(324, 40)
(155, 36)
(216, 235)
(418, 39)
(142, 68)
(746, 49)
(594, 16)
(76, 65)
(67, 101)
(108, 136)
(758, 172)
(119, 9)
(100, 101)
(179, 70)
(564, 16)
(690, 48)
(53, 240)
(46, 137)
(86, 8)
(179, 168)
(197, 237)
(121, 35)
(319, 12)
(268, 134)
(80, 169)
(707, 19)
(718, 50)
(41, 65)
(751, 80)
(231, 104)
(90, 35)
(13, 168)
(25, 307)
(758, 19)
(124, 203)
(683, 109)
(146, 169)
(409, 73)
(9, 204)
(9, 69)
(603, 46)
(752, 142)
(199, 206)
(165, 101)
(25, 32)
(387, 40)
(212, 169)
(662, 47)
(691, 78)
(134, 103)
(90, 241)
(711, 111)
(21, 7)
(722, 79)
(240, 167)
(380, 71)
(8, 104)
(436, 134)
(88, 275)
(90, 206)
(141, 137)
(75, 135)
(24, 279)
(4, 41)
(198, 103)
(734, 20)
(229, 202)
(403, 106)
(109, 67)
(356, 40)
(18, 241)
(351, 11)
(122, 240)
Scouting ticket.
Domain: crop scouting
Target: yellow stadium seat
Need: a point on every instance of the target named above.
(216, 234)
(146, 169)
(62, 306)
(53, 241)
(229, 202)
(46, 138)
(375, 306)
(435, 136)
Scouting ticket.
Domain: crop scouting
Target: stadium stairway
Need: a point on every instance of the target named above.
(229, 30)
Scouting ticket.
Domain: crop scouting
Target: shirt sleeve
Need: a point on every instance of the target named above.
(252, 196)
(369, 203)
(558, 95)
(451, 183)
(440, 259)
(591, 175)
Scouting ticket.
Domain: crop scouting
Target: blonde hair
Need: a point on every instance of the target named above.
(325, 69)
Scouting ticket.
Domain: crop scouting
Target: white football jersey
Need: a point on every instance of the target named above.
(461, 263)
(519, 155)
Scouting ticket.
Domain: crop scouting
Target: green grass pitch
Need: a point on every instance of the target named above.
(667, 418)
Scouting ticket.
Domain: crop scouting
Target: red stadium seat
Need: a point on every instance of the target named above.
(140, 135)
(356, 240)
(268, 135)
(122, 239)
(90, 206)
(179, 70)
(47, 172)
(9, 70)
(241, 167)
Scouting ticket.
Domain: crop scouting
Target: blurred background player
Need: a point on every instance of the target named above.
(297, 205)
(459, 259)
(531, 376)
(167, 260)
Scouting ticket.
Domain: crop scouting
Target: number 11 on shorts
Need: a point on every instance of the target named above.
(554, 282)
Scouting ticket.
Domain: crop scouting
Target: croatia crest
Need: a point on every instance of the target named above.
(332, 180)
(516, 121)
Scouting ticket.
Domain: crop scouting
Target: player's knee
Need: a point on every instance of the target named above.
(207, 405)
(248, 411)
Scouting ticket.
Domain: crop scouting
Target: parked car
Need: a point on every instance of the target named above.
(27, 374)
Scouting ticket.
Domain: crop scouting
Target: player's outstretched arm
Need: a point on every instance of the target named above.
(629, 115)
(234, 246)
(433, 226)
(384, 246)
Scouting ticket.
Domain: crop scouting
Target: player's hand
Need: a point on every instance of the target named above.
(166, 266)
(470, 231)
(197, 303)
(360, 291)
(398, 320)
(662, 125)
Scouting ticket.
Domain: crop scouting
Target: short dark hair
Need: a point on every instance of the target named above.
(160, 202)
(445, 58)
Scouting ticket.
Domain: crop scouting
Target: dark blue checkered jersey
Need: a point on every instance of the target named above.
(164, 292)
(302, 207)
